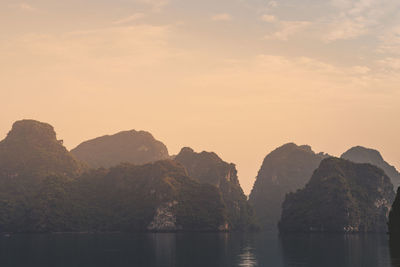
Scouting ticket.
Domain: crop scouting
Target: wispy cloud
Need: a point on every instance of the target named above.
(222, 17)
(24, 6)
(129, 19)
(268, 18)
(390, 64)
(272, 4)
(155, 5)
(286, 29)
(390, 41)
(354, 18)
(346, 29)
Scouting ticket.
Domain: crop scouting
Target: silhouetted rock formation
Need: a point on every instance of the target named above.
(44, 189)
(208, 168)
(32, 149)
(152, 197)
(284, 170)
(361, 154)
(124, 147)
(341, 196)
(394, 219)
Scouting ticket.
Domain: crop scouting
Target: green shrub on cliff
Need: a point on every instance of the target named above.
(341, 196)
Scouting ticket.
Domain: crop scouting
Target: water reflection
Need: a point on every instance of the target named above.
(394, 245)
(198, 250)
(335, 250)
(247, 258)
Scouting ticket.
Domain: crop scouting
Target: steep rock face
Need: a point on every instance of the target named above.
(152, 197)
(394, 218)
(341, 196)
(165, 218)
(208, 168)
(32, 149)
(136, 147)
(284, 170)
(361, 154)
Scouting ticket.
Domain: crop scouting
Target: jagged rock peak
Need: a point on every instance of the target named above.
(209, 168)
(366, 153)
(204, 155)
(186, 150)
(285, 169)
(31, 147)
(361, 154)
(292, 146)
(29, 129)
(341, 196)
(136, 147)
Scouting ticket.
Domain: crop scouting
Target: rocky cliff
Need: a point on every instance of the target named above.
(127, 198)
(341, 196)
(152, 197)
(32, 149)
(43, 188)
(136, 147)
(361, 154)
(209, 168)
(394, 219)
(284, 170)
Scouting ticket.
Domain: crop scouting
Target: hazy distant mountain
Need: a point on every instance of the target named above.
(32, 149)
(341, 196)
(207, 167)
(286, 169)
(136, 147)
(361, 154)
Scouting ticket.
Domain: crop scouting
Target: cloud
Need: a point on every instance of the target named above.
(346, 29)
(280, 78)
(221, 17)
(354, 18)
(24, 6)
(390, 64)
(110, 50)
(268, 18)
(286, 29)
(155, 5)
(272, 4)
(129, 19)
(390, 41)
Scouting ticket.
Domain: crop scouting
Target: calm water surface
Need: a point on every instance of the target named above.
(191, 250)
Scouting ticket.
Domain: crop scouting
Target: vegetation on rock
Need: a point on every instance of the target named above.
(44, 189)
(284, 170)
(123, 198)
(341, 196)
(208, 168)
(361, 154)
(31, 149)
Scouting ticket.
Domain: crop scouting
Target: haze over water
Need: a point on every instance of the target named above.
(198, 250)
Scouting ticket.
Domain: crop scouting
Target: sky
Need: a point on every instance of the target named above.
(237, 77)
